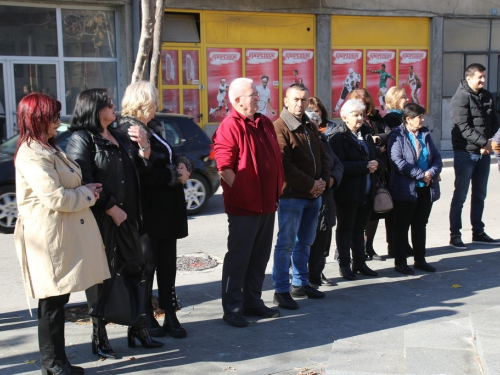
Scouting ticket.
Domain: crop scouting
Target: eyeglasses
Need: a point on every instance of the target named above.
(253, 95)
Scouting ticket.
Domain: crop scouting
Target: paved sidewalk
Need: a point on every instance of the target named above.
(442, 323)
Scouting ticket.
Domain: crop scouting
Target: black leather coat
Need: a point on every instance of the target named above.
(100, 161)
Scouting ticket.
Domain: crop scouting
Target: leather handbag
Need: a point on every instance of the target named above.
(124, 300)
(382, 202)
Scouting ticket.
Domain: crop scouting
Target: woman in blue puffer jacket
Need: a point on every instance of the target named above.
(414, 185)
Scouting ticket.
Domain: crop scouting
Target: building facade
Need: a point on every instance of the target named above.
(331, 46)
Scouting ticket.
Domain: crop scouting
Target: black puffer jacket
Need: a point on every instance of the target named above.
(355, 161)
(473, 118)
(162, 195)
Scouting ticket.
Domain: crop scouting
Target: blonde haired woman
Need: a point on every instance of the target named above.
(163, 204)
(395, 100)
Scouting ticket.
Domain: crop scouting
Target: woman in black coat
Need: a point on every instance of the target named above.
(320, 249)
(353, 144)
(164, 210)
(106, 155)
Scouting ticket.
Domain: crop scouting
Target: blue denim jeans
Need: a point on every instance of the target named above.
(475, 169)
(297, 220)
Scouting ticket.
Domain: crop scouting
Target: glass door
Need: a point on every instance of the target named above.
(180, 82)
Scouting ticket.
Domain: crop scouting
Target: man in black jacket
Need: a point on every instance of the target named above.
(474, 122)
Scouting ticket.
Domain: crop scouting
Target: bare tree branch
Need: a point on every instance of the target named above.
(145, 42)
(155, 60)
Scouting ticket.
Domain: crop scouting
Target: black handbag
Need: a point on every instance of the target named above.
(124, 300)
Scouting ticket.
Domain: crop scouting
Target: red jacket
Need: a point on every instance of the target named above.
(237, 148)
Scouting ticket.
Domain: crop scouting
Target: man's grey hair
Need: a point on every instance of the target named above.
(236, 88)
(352, 105)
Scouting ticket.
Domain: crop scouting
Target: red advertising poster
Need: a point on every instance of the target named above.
(190, 68)
(169, 67)
(170, 101)
(262, 65)
(380, 75)
(223, 65)
(191, 103)
(347, 74)
(298, 67)
(413, 75)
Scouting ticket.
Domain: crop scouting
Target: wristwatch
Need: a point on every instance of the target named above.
(145, 148)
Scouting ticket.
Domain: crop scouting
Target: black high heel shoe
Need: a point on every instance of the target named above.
(101, 345)
(141, 334)
(171, 325)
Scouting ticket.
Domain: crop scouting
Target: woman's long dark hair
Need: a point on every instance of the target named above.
(34, 114)
(88, 106)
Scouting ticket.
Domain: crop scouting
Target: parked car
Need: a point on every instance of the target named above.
(185, 137)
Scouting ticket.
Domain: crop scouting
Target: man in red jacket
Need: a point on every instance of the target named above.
(249, 163)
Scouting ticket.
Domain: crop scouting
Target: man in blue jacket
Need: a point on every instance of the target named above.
(474, 122)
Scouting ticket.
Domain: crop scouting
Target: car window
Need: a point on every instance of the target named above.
(9, 146)
(171, 133)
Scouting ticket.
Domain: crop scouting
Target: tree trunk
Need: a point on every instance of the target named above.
(155, 60)
(145, 41)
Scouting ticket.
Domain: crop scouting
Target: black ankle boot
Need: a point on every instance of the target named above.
(171, 325)
(57, 369)
(141, 334)
(100, 343)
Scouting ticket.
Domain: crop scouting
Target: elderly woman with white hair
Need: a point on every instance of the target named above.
(354, 146)
(163, 204)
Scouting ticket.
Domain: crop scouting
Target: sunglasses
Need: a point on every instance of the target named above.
(110, 104)
(57, 117)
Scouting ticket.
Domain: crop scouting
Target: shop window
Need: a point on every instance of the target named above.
(28, 31)
(453, 72)
(466, 35)
(181, 27)
(83, 75)
(88, 33)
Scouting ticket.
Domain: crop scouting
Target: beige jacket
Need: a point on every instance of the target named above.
(57, 239)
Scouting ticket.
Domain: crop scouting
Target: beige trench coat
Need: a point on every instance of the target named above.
(57, 239)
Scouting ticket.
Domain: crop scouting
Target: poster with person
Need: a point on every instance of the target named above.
(298, 67)
(223, 65)
(169, 67)
(262, 65)
(347, 74)
(413, 75)
(380, 75)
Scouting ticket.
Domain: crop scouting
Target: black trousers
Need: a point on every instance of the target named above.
(416, 215)
(248, 250)
(161, 256)
(51, 330)
(319, 251)
(350, 233)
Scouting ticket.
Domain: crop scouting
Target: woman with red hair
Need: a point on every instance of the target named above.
(57, 238)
